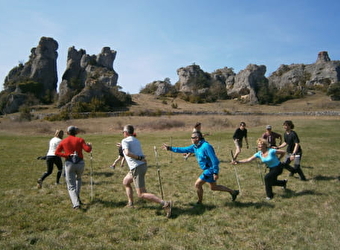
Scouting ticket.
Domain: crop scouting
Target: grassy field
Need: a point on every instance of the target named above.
(305, 216)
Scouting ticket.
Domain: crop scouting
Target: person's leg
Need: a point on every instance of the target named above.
(238, 147)
(79, 169)
(286, 165)
(70, 177)
(49, 164)
(115, 162)
(122, 161)
(127, 181)
(269, 178)
(139, 182)
(199, 189)
(215, 187)
(297, 167)
(58, 162)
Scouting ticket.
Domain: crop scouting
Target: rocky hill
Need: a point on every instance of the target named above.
(90, 81)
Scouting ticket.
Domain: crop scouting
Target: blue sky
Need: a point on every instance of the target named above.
(153, 38)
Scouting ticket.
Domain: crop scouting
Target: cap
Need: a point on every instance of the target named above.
(72, 129)
(268, 127)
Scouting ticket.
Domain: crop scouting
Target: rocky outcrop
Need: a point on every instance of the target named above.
(83, 69)
(41, 67)
(322, 73)
(247, 81)
(246, 84)
(38, 77)
(192, 79)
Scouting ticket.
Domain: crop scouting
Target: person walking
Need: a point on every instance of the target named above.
(294, 150)
(271, 157)
(120, 156)
(239, 134)
(71, 148)
(138, 167)
(208, 162)
(271, 137)
(52, 159)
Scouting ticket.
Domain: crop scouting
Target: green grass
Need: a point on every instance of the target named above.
(305, 216)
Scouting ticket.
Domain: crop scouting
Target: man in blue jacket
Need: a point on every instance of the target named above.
(207, 161)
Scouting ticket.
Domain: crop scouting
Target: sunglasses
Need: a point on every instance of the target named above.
(194, 137)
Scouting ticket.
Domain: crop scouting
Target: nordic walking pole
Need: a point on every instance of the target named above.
(91, 177)
(170, 146)
(238, 180)
(158, 172)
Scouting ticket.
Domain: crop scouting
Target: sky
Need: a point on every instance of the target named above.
(154, 38)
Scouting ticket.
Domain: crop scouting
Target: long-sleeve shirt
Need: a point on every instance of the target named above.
(204, 153)
(70, 144)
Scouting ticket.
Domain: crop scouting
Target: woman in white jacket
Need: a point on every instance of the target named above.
(52, 159)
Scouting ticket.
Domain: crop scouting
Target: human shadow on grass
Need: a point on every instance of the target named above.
(326, 178)
(290, 193)
(105, 203)
(260, 204)
(192, 209)
(106, 174)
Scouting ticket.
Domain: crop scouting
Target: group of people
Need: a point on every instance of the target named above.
(270, 154)
(71, 148)
(130, 148)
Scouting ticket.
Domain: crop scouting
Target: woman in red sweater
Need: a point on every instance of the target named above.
(71, 148)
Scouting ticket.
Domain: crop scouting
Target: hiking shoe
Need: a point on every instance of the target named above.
(130, 205)
(285, 184)
(167, 208)
(234, 195)
(39, 185)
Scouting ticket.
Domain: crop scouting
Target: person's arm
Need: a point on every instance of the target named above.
(188, 149)
(87, 146)
(280, 138)
(128, 153)
(280, 153)
(244, 160)
(282, 145)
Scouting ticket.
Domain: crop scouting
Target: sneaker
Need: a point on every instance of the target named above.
(39, 185)
(234, 195)
(167, 208)
(130, 205)
(269, 198)
(113, 166)
(76, 207)
(284, 187)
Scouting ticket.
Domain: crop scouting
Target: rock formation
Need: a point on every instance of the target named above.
(83, 70)
(37, 77)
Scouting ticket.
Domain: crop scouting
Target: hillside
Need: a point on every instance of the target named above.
(232, 113)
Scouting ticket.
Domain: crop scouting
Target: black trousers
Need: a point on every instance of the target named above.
(50, 161)
(271, 180)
